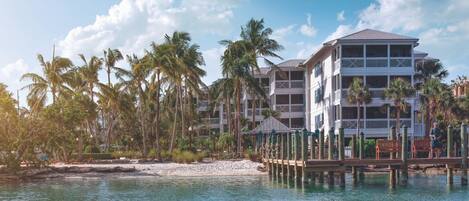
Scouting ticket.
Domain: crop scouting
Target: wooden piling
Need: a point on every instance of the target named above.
(304, 153)
(341, 154)
(449, 148)
(463, 155)
(321, 154)
(288, 155)
(354, 156)
(330, 154)
(296, 156)
(404, 168)
(361, 154)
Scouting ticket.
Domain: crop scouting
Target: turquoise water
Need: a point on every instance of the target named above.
(229, 188)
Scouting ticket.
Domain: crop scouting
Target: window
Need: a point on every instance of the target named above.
(285, 121)
(377, 112)
(318, 95)
(352, 51)
(282, 99)
(296, 75)
(401, 50)
(351, 113)
(297, 122)
(376, 51)
(347, 80)
(319, 120)
(336, 112)
(297, 99)
(317, 69)
(281, 75)
(377, 81)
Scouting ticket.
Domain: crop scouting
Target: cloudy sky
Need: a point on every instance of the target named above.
(301, 26)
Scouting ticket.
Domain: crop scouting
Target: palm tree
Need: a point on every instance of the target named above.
(52, 81)
(359, 95)
(111, 57)
(271, 113)
(111, 100)
(221, 93)
(260, 45)
(398, 91)
(135, 83)
(160, 58)
(235, 65)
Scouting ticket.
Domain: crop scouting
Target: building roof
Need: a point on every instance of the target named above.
(371, 34)
(269, 124)
(291, 63)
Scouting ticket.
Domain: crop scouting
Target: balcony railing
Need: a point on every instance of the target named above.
(282, 108)
(351, 63)
(376, 123)
(258, 112)
(281, 84)
(377, 93)
(371, 123)
(376, 62)
(211, 120)
(297, 108)
(400, 62)
(296, 84)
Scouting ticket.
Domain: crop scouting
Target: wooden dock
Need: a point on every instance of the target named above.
(301, 156)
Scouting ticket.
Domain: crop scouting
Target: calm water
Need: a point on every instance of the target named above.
(229, 188)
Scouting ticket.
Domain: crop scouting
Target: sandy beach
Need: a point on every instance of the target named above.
(212, 168)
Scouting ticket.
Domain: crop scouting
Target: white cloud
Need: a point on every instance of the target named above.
(280, 33)
(131, 25)
(341, 16)
(308, 29)
(12, 72)
(212, 63)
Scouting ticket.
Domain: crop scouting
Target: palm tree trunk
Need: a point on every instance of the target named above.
(109, 131)
(238, 118)
(358, 119)
(109, 76)
(228, 114)
(398, 119)
(144, 135)
(157, 119)
(182, 102)
(174, 124)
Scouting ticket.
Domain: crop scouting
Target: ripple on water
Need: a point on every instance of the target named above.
(229, 188)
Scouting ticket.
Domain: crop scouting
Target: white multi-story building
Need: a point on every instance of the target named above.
(376, 57)
(284, 87)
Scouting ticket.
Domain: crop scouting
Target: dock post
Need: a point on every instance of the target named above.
(341, 155)
(288, 154)
(354, 156)
(392, 171)
(464, 154)
(449, 148)
(295, 141)
(321, 154)
(331, 154)
(404, 153)
(361, 154)
(278, 146)
(304, 153)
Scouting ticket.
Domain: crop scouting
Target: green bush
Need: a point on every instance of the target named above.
(92, 149)
(93, 156)
(187, 156)
(127, 154)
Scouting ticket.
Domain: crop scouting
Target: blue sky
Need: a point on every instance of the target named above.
(301, 26)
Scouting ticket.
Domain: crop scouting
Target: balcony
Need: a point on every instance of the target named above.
(352, 62)
(400, 62)
(211, 120)
(282, 84)
(290, 108)
(371, 123)
(378, 62)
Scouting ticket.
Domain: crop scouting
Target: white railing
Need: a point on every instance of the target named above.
(297, 84)
(337, 94)
(352, 62)
(400, 62)
(281, 84)
(377, 93)
(351, 124)
(282, 108)
(376, 62)
(297, 108)
(376, 123)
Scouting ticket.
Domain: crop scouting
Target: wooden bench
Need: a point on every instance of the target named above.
(421, 145)
(387, 146)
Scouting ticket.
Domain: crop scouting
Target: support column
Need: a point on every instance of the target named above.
(341, 155)
(449, 149)
(288, 155)
(304, 153)
(354, 156)
(463, 155)
(404, 153)
(321, 154)
(330, 154)
(361, 154)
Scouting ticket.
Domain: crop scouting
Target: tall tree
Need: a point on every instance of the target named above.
(53, 80)
(111, 57)
(398, 91)
(260, 44)
(359, 95)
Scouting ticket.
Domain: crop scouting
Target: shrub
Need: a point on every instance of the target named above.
(127, 154)
(93, 156)
(92, 149)
(187, 156)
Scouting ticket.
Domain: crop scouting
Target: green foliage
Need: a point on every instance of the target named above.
(127, 154)
(225, 141)
(93, 156)
(187, 156)
(370, 148)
